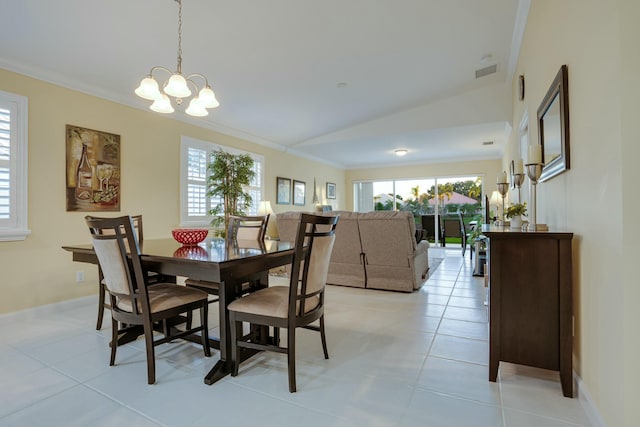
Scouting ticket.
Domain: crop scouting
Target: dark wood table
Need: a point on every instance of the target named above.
(215, 260)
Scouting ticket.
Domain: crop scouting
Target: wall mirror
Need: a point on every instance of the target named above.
(553, 126)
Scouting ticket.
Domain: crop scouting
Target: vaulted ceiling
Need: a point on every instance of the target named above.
(342, 81)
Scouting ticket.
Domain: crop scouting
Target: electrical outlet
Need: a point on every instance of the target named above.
(79, 276)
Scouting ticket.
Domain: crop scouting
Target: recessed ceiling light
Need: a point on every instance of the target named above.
(400, 152)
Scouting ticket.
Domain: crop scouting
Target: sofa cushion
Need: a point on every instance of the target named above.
(347, 266)
(393, 259)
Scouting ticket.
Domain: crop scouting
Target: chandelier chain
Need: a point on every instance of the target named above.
(179, 36)
(177, 86)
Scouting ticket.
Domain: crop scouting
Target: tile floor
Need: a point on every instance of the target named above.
(396, 360)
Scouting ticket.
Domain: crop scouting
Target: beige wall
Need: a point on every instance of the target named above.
(37, 271)
(602, 59)
(488, 169)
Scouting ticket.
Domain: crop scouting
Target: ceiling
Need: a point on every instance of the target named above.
(342, 81)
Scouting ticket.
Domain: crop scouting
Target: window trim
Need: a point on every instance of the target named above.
(188, 142)
(16, 228)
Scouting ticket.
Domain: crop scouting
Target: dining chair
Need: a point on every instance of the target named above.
(132, 302)
(246, 228)
(295, 306)
(152, 277)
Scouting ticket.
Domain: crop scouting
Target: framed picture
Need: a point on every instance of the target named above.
(298, 192)
(283, 189)
(331, 190)
(93, 170)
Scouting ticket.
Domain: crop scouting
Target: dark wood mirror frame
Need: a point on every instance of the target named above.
(553, 126)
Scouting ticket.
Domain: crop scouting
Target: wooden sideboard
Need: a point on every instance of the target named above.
(530, 302)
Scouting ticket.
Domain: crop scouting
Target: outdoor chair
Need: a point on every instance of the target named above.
(429, 228)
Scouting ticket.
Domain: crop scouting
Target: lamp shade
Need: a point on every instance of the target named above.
(264, 207)
(177, 86)
(208, 98)
(196, 108)
(162, 105)
(148, 89)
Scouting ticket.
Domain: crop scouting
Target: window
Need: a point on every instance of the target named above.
(13, 167)
(194, 202)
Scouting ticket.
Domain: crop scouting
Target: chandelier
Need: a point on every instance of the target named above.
(177, 86)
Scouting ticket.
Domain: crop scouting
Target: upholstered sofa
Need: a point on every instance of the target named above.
(375, 250)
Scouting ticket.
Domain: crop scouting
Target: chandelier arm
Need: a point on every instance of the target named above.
(160, 67)
(197, 89)
(206, 82)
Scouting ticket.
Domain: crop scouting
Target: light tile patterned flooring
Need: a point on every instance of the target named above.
(397, 359)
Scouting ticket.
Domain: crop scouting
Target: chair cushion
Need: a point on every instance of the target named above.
(272, 301)
(164, 296)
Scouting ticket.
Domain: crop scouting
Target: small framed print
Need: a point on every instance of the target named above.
(331, 190)
(283, 190)
(298, 192)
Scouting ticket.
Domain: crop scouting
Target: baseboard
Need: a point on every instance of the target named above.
(52, 308)
(587, 403)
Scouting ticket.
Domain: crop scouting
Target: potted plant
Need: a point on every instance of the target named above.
(515, 212)
(230, 175)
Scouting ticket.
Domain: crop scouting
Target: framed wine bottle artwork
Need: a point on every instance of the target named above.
(93, 170)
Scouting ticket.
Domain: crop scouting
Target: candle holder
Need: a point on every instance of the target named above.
(534, 170)
(518, 180)
(503, 187)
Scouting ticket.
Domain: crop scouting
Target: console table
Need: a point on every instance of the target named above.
(530, 302)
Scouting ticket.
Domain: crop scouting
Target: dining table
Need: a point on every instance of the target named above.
(227, 262)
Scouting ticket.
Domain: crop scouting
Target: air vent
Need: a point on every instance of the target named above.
(486, 71)
(487, 142)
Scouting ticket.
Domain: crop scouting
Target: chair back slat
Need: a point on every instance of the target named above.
(247, 227)
(310, 266)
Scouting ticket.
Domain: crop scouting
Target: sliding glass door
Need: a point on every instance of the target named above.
(442, 197)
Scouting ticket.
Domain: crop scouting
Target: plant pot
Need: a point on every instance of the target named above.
(516, 221)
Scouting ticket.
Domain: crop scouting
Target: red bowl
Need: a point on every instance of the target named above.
(190, 236)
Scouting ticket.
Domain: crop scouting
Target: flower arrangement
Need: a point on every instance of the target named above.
(516, 209)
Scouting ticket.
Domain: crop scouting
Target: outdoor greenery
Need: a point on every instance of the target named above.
(230, 175)
(418, 202)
